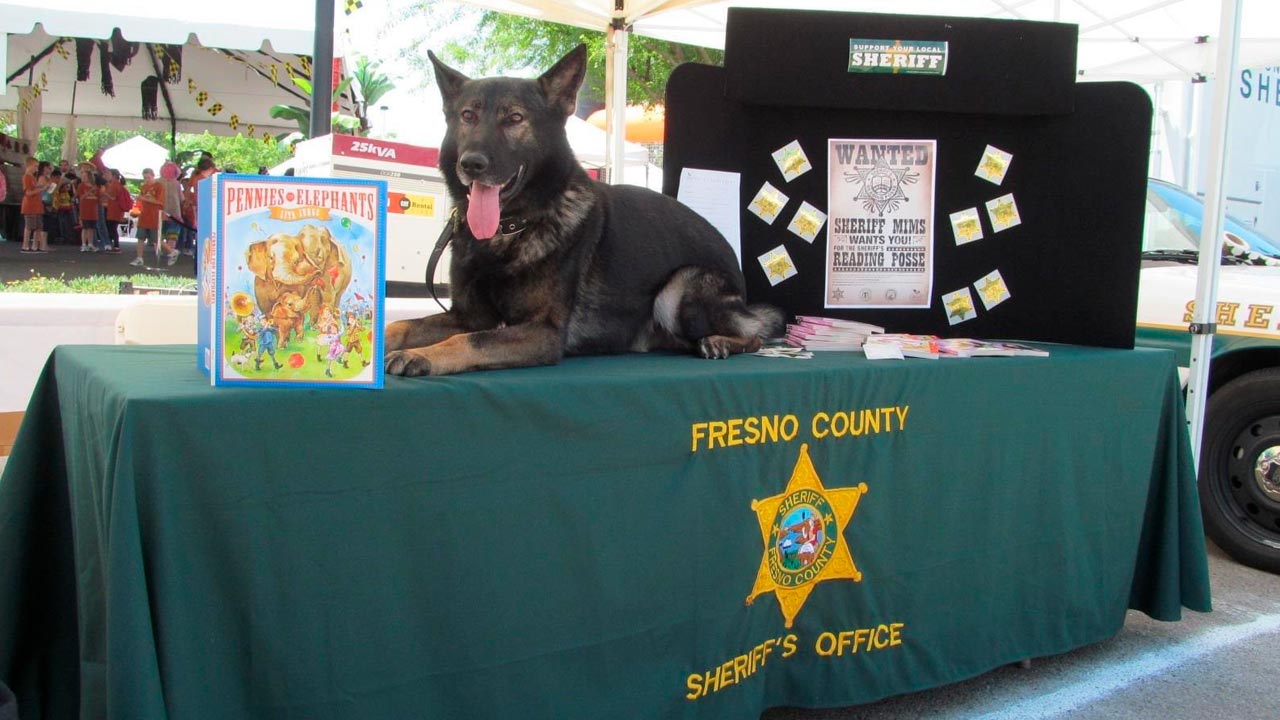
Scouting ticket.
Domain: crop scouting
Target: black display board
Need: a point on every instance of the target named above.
(1078, 174)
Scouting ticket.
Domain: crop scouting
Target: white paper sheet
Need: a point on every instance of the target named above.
(713, 194)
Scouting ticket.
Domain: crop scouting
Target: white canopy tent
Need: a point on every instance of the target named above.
(236, 56)
(133, 156)
(232, 24)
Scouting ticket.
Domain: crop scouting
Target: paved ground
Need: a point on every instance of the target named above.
(1221, 665)
(68, 262)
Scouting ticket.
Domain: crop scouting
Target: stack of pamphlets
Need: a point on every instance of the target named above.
(815, 333)
(968, 347)
(884, 347)
(812, 332)
(896, 346)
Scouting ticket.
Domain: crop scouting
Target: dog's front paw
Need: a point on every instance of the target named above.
(719, 347)
(406, 363)
(715, 347)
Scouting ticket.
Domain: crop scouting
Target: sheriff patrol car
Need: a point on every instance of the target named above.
(1240, 453)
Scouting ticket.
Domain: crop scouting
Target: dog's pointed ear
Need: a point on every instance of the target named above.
(449, 80)
(560, 84)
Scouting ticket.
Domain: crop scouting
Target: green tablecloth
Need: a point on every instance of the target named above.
(581, 540)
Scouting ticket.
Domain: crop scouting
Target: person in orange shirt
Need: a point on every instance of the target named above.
(151, 201)
(109, 198)
(190, 208)
(34, 238)
(87, 192)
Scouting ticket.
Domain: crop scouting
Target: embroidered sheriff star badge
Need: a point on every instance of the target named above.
(803, 533)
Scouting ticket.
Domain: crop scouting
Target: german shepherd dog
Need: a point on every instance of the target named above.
(551, 263)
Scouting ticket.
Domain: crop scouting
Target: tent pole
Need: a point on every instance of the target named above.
(1204, 316)
(322, 70)
(1190, 125)
(615, 99)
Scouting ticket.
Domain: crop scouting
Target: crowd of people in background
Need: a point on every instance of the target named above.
(91, 203)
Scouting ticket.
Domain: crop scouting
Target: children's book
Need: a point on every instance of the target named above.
(291, 277)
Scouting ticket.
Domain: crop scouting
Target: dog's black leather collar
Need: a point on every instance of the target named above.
(510, 227)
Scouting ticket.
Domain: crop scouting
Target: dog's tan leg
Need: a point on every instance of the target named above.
(506, 347)
(422, 332)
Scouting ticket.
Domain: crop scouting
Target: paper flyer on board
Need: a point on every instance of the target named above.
(880, 198)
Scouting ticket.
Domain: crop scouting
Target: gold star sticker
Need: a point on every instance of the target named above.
(778, 265)
(807, 224)
(793, 162)
(1004, 212)
(768, 205)
(968, 228)
(960, 306)
(992, 166)
(992, 291)
(803, 533)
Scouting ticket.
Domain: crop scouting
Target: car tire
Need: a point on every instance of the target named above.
(1240, 469)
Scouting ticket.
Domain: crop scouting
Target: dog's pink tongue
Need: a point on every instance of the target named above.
(482, 211)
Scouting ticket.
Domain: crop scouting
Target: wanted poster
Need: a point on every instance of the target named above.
(880, 198)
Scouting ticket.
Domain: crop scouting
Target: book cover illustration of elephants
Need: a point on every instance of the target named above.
(300, 273)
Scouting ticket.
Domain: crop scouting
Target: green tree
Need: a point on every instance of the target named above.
(242, 153)
(302, 115)
(368, 86)
(506, 43)
(49, 146)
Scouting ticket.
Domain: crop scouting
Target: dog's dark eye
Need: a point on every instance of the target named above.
(515, 119)
(468, 116)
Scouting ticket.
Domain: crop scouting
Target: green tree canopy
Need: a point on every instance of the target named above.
(244, 154)
(505, 44)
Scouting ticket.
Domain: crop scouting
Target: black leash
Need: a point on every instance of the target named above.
(441, 243)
